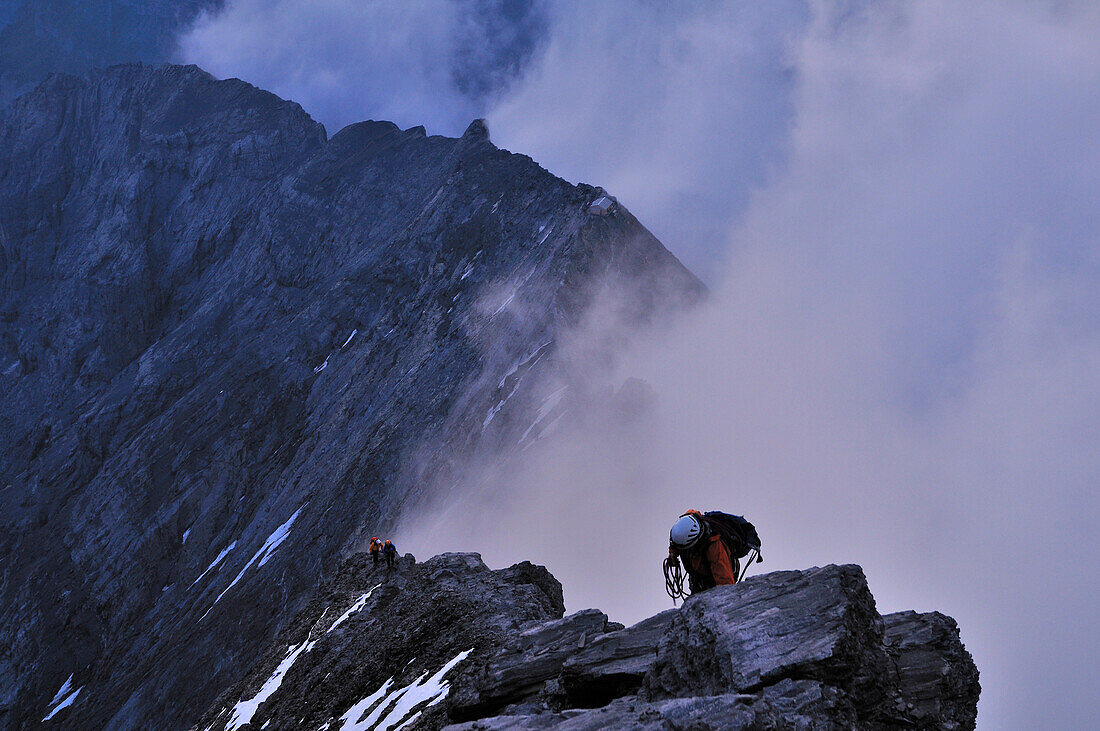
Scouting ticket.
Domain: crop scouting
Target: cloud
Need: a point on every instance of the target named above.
(679, 110)
(897, 368)
(895, 203)
(414, 62)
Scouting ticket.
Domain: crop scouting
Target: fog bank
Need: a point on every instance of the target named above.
(897, 369)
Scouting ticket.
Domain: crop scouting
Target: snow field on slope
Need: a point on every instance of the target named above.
(244, 710)
(63, 698)
(549, 404)
(359, 603)
(267, 550)
(224, 552)
(391, 710)
(247, 707)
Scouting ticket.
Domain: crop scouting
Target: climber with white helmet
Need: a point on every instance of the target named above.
(709, 546)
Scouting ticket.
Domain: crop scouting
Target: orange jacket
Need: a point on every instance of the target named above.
(710, 561)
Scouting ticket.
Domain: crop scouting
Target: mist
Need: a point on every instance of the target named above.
(896, 368)
(894, 204)
(417, 62)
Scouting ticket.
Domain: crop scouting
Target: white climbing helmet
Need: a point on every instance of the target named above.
(686, 531)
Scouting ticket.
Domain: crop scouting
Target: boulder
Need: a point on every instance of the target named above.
(451, 641)
(614, 664)
(522, 668)
(819, 624)
(935, 675)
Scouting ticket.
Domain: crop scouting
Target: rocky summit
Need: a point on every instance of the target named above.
(233, 347)
(450, 643)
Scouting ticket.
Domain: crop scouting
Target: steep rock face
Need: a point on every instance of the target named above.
(232, 347)
(793, 649)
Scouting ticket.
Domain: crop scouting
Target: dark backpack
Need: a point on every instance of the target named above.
(739, 535)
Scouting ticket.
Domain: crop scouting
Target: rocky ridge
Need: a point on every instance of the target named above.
(450, 643)
(232, 347)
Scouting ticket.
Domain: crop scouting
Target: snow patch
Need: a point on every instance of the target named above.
(505, 304)
(361, 707)
(225, 552)
(11, 369)
(243, 711)
(499, 405)
(323, 366)
(468, 272)
(545, 235)
(353, 334)
(390, 712)
(526, 362)
(267, 550)
(63, 698)
(359, 603)
(548, 405)
(63, 691)
(186, 533)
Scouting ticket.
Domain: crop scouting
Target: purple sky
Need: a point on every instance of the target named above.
(895, 204)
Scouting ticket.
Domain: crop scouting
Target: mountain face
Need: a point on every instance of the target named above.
(450, 642)
(232, 348)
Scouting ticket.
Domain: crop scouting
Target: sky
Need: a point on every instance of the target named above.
(894, 206)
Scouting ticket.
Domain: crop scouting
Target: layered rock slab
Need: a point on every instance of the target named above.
(935, 675)
(790, 704)
(615, 663)
(792, 649)
(819, 624)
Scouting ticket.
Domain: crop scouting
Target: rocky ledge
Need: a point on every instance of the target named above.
(450, 641)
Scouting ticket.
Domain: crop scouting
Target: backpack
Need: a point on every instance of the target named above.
(738, 534)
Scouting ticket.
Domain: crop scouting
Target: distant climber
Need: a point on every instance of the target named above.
(709, 545)
(375, 549)
(390, 551)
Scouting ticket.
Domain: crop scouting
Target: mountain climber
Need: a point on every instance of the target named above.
(375, 549)
(709, 545)
(390, 552)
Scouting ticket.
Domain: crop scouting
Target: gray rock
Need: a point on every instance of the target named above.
(790, 704)
(766, 627)
(522, 668)
(936, 677)
(532, 669)
(415, 619)
(786, 650)
(819, 624)
(614, 664)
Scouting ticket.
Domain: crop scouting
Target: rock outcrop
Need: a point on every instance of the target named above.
(791, 649)
(233, 347)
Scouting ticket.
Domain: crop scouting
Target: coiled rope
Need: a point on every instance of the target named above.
(674, 579)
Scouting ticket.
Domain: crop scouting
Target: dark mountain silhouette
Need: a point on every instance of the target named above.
(231, 347)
